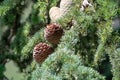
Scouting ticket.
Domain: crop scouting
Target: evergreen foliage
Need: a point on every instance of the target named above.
(88, 50)
(6, 5)
(64, 64)
(114, 59)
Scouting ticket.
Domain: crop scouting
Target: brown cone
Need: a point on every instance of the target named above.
(53, 33)
(41, 52)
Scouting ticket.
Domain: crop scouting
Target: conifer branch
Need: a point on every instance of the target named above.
(6, 5)
(114, 55)
(71, 64)
(38, 37)
(15, 27)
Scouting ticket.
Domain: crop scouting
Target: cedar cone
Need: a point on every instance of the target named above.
(65, 7)
(54, 14)
(53, 33)
(41, 52)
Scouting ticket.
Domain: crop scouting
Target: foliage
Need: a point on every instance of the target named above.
(6, 5)
(89, 48)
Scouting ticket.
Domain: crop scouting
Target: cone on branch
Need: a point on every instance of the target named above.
(54, 14)
(65, 6)
(58, 12)
(41, 52)
(53, 32)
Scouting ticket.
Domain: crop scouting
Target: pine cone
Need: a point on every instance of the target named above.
(53, 33)
(41, 52)
(54, 14)
(65, 6)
